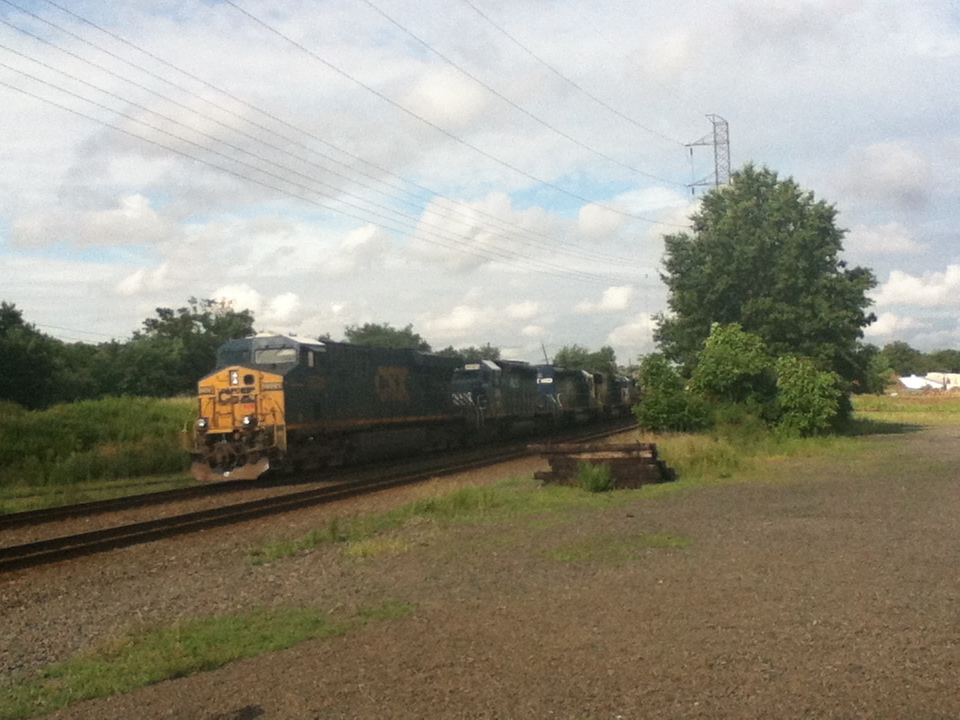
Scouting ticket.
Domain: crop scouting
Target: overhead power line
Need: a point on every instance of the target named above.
(525, 235)
(510, 230)
(429, 123)
(429, 233)
(567, 80)
(300, 191)
(514, 105)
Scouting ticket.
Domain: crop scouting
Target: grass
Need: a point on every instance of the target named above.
(910, 408)
(19, 498)
(365, 535)
(700, 460)
(88, 450)
(184, 649)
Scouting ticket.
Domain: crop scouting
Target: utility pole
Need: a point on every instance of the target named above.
(720, 140)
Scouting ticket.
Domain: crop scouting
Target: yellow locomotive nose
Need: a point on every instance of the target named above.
(240, 423)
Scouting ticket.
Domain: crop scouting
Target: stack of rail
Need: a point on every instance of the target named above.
(631, 465)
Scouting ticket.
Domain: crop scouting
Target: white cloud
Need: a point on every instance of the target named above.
(359, 250)
(614, 299)
(889, 239)
(888, 173)
(596, 221)
(459, 322)
(890, 324)
(447, 97)
(132, 221)
(937, 289)
(522, 310)
(463, 236)
(283, 307)
(281, 313)
(633, 339)
(240, 297)
(147, 281)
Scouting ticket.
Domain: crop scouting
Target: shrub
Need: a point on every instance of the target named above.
(810, 400)
(594, 478)
(666, 404)
(733, 367)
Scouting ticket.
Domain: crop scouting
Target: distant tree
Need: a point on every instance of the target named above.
(944, 361)
(903, 359)
(485, 352)
(877, 374)
(764, 254)
(385, 336)
(577, 357)
(28, 361)
(178, 347)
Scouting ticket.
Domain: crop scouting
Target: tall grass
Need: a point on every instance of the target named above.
(92, 440)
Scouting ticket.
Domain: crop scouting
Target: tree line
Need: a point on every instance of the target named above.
(173, 350)
(763, 315)
(164, 358)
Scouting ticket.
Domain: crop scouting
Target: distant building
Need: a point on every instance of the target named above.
(932, 381)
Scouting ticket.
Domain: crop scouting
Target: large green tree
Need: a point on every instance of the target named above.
(765, 254)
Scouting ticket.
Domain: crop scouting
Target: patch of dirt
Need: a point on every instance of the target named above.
(829, 590)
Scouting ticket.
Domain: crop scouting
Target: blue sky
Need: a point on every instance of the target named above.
(501, 176)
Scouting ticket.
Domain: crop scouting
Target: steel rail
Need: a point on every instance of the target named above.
(128, 502)
(43, 552)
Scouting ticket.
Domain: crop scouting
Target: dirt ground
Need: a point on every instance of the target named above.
(828, 590)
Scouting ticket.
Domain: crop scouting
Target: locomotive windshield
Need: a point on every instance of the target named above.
(275, 356)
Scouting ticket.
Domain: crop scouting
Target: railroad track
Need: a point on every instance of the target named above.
(47, 551)
(129, 502)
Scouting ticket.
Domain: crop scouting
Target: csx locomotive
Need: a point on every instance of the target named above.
(281, 402)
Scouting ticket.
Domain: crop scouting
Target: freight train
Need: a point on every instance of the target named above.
(276, 402)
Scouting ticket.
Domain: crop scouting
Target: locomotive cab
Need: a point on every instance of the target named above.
(241, 429)
(498, 392)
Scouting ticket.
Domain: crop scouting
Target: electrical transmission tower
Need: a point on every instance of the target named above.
(720, 139)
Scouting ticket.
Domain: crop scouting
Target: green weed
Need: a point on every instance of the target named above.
(594, 478)
(517, 497)
(184, 649)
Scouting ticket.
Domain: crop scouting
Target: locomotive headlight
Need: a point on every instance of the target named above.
(249, 421)
(203, 424)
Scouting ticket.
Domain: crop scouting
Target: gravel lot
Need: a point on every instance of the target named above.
(829, 589)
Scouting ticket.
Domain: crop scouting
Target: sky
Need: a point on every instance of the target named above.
(483, 170)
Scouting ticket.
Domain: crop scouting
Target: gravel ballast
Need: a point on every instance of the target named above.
(827, 589)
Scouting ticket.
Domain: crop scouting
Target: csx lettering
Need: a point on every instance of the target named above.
(392, 384)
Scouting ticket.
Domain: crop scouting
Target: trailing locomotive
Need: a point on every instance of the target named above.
(275, 401)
